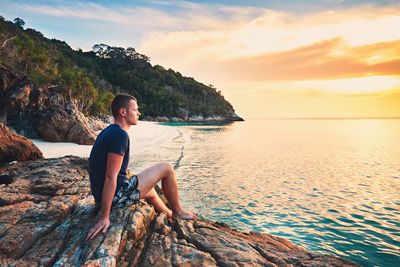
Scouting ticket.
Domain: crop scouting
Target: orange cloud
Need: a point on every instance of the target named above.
(331, 59)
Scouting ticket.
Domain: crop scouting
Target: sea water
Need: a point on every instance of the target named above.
(329, 185)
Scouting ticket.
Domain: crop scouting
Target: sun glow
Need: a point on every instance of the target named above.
(331, 59)
(361, 85)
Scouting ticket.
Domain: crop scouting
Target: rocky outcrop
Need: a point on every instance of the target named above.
(61, 121)
(16, 147)
(19, 101)
(98, 124)
(47, 211)
(197, 119)
(41, 112)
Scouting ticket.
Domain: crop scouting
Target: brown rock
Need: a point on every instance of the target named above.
(47, 212)
(16, 147)
(42, 112)
(19, 100)
(96, 124)
(61, 121)
(102, 262)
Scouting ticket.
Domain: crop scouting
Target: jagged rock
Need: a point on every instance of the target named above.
(42, 112)
(96, 124)
(18, 99)
(63, 122)
(162, 119)
(10, 80)
(197, 118)
(234, 117)
(194, 118)
(16, 147)
(176, 119)
(47, 212)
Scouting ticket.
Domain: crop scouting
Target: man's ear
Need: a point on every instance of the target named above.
(122, 111)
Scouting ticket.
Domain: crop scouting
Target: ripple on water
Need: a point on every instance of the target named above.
(357, 216)
(351, 210)
(333, 211)
(252, 204)
(389, 208)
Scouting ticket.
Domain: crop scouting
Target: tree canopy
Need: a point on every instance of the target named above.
(92, 78)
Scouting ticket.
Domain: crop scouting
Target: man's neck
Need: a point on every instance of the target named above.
(122, 124)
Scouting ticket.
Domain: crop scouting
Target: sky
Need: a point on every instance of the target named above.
(270, 59)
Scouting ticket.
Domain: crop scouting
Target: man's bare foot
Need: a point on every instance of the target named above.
(168, 213)
(184, 215)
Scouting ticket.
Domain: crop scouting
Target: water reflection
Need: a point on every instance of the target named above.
(324, 184)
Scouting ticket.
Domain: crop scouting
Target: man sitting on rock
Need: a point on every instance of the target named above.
(108, 163)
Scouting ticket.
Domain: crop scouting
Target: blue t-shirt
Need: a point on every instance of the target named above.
(112, 139)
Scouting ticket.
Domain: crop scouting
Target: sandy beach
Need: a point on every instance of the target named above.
(143, 134)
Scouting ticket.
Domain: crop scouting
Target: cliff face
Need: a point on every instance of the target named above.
(41, 112)
(93, 77)
(46, 212)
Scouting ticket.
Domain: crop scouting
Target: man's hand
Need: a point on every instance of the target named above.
(100, 226)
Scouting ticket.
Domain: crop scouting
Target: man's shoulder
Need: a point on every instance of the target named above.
(115, 130)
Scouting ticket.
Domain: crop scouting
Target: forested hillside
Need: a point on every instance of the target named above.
(92, 78)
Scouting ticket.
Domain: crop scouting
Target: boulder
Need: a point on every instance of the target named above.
(18, 100)
(195, 118)
(176, 119)
(46, 213)
(42, 112)
(16, 147)
(97, 124)
(61, 121)
(162, 119)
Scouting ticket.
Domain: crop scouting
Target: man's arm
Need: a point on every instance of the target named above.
(114, 163)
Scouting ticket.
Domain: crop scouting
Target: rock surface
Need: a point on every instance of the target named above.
(61, 121)
(197, 119)
(16, 147)
(46, 212)
(42, 112)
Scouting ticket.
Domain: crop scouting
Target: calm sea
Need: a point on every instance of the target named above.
(329, 185)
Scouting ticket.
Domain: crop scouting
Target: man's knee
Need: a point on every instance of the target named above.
(167, 168)
(151, 194)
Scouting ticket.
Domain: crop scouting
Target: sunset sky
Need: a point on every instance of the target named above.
(328, 58)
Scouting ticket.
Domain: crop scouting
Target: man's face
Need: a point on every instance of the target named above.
(133, 113)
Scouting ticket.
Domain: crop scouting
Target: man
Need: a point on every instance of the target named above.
(107, 170)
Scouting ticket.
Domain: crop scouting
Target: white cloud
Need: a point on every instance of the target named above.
(86, 11)
(201, 40)
(274, 31)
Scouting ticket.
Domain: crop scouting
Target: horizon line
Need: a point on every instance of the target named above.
(324, 118)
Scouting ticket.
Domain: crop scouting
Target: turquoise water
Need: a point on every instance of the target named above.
(331, 186)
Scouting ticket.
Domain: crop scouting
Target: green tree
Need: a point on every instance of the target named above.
(19, 22)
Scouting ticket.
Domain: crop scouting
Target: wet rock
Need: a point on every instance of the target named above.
(46, 213)
(16, 147)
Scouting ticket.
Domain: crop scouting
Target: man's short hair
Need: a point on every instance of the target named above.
(120, 101)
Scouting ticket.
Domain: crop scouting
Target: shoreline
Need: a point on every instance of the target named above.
(60, 149)
(53, 195)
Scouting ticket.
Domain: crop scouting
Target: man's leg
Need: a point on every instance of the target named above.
(154, 199)
(163, 171)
